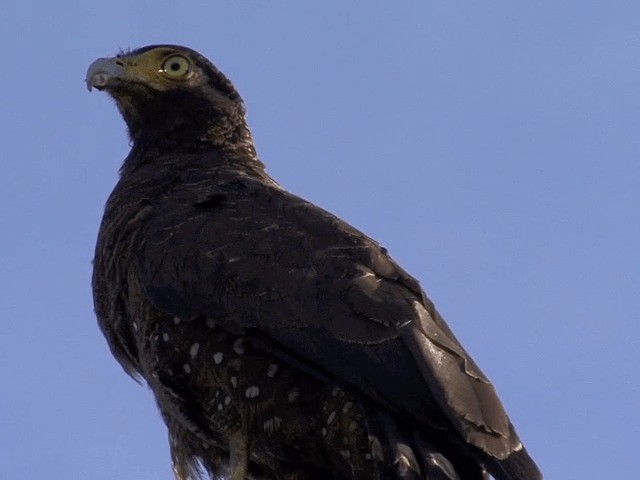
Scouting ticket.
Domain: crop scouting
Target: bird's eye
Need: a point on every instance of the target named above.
(176, 66)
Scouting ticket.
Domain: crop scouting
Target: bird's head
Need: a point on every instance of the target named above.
(171, 95)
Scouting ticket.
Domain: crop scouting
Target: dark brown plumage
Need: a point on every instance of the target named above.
(279, 341)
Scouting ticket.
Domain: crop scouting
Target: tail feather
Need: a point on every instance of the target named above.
(395, 458)
(405, 455)
(401, 453)
(435, 465)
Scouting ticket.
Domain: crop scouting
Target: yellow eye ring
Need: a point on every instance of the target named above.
(176, 66)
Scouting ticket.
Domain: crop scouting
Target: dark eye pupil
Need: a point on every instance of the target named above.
(175, 66)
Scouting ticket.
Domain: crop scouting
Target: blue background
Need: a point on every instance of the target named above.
(491, 146)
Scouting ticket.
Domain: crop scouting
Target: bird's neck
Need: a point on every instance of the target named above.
(158, 135)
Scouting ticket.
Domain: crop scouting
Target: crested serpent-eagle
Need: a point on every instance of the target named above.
(279, 341)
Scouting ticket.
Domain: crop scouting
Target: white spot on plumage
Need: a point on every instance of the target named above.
(347, 406)
(238, 346)
(272, 370)
(404, 464)
(176, 320)
(404, 324)
(165, 337)
(324, 432)
(337, 391)
(186, 368)
(345, 453)
(135, 327)
(331, 417)
(194, 350)
(234, 259)
(234, 382)
(353, 426)
(227, 400)
(211, 323)
(252, 392)
(272, 424)
(217, 358)
(220, 406)
(293, 394)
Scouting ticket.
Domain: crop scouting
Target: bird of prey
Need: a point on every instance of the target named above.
(279, 341)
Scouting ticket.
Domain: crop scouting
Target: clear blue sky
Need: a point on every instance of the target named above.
(492, 147)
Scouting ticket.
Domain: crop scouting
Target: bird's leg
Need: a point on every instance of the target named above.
(239, 455)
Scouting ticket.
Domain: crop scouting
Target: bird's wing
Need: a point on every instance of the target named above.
(258, 259)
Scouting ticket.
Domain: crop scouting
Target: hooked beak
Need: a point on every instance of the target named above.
(104, 71)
